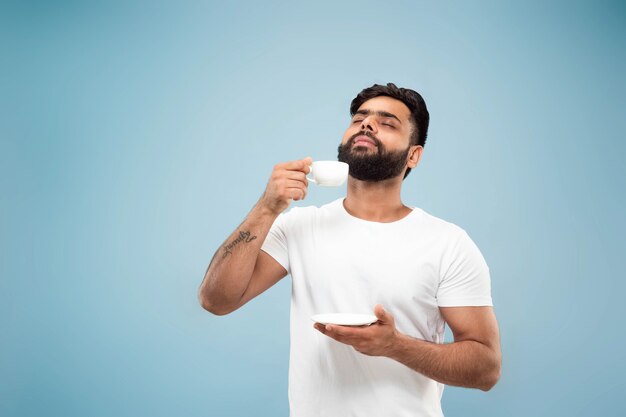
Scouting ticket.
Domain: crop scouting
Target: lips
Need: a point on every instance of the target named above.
(363, 140)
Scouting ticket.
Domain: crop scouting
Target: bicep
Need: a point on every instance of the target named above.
(267, 272)
(473, 323)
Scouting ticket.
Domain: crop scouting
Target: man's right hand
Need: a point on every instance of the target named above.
(240, 270)
(288, 182)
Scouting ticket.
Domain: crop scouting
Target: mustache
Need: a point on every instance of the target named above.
(364, 133)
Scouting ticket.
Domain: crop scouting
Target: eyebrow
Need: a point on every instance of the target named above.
(377, 113)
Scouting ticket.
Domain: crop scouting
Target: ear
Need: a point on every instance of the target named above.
(415, 154)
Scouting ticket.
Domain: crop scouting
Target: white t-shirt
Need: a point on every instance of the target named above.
(342, 264)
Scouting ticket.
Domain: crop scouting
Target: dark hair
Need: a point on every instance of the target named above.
(412, 99)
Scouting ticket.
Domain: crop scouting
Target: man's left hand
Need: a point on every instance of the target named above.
(375, 340)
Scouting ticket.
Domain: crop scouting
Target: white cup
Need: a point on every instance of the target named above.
(328, 173)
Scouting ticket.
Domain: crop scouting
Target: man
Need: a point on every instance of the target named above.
(367, 251)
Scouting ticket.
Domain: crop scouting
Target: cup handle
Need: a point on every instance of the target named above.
(309, 178)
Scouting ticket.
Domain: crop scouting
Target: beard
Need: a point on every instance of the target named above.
(372, 165)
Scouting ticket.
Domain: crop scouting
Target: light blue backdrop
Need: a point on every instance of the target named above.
(136, 136)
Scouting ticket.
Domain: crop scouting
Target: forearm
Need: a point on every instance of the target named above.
(465, 363)
(231, 268)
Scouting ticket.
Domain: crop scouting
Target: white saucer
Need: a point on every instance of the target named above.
(345, 319)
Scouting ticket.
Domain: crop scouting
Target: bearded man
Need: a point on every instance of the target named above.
(367, 251)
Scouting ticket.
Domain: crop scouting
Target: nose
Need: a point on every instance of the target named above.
(368, 124)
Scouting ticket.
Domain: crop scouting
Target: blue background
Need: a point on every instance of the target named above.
(136, 136)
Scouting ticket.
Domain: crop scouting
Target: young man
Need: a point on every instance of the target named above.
(366, 252)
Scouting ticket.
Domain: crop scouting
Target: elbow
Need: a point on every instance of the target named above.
(491, 378)
(488, 384)
(214, 308)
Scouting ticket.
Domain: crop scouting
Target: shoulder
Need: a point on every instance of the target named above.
(303, 213)
(455, 243)
(437, 225)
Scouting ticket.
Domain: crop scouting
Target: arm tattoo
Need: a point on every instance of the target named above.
(243, 237)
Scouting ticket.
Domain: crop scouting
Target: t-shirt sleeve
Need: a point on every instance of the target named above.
(275, 244)
(465, 280)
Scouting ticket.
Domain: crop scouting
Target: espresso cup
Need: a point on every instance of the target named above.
(328, 173)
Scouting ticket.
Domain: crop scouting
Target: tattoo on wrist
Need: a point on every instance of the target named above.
(243, 237)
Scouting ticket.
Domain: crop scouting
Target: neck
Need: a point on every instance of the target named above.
(375, 201)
